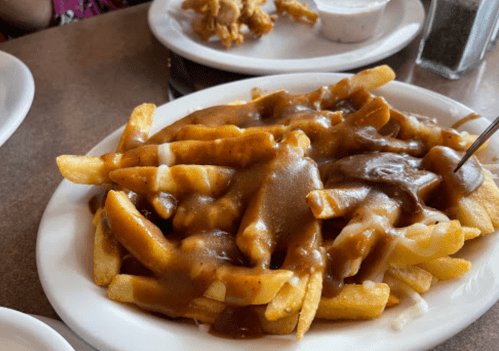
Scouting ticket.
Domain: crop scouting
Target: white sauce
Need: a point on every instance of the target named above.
(294, 281)
(350, 21)
(368, 285)
(419, 308)
(165, 155)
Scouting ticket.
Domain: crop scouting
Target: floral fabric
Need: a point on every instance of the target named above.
(66, 11)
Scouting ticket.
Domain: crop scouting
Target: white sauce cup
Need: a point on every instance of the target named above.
(350, 21)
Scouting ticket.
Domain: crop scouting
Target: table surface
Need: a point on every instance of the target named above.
(93, 73)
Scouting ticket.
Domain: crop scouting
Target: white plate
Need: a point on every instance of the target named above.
(290, 47)
(74, 340)
(22, 332)
(17, 89)
(64, 256)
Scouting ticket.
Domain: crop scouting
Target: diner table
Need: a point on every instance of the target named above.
(88, 76)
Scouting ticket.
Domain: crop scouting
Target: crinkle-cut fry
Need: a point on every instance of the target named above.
(137, 234)
(375, 217)
(472, 214)
(137, 129)
(231, 152)
(251, 286)
(299, 11)
(369, 80)
(426, 243)
(176, 180)
(430, 134)
(471, 233)
(108, 253)
(336, 202)
(289, 299)
(479, 209)
(283, 326)
(310, 305)
(355, 301)
(445, 268)
(415, 277)
(152, 295)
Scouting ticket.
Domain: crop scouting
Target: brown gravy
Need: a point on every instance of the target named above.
(209, 232)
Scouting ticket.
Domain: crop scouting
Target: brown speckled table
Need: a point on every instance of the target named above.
(88, 77)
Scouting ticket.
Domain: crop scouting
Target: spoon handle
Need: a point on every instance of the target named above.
(486, 134)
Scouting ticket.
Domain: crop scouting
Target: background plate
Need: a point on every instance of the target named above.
(22, 332)
(17, 89)
(64, 255)
(290, 47)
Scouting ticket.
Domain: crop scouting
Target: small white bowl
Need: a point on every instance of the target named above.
(21, 332)
(350, 21)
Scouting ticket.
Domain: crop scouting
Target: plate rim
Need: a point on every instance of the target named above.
(23, 102)
(223, 60)
(73, 318)
(24, 326)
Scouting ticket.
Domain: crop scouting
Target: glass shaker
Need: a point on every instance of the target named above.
(456, 35)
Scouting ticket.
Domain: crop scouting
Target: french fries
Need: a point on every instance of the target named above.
(285, 209)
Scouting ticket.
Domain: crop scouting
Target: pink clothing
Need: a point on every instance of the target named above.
(72, 10)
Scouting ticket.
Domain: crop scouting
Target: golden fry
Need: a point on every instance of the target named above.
(137, 234)
(137, 129)
(363, 301)
(299, 11)
(288, 300)
(282, 326)
(416, 278)
(108, 253)
(176, 180)
(445, 268)
(245, 286)
(429, 242)
(310, 304)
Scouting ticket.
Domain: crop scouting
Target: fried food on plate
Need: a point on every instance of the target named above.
(234, 20)
(299, 11)
(270, 214)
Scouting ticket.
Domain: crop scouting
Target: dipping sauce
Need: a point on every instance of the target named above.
(350, 21)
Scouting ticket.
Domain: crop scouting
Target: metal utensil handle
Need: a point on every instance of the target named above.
(486, 134)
